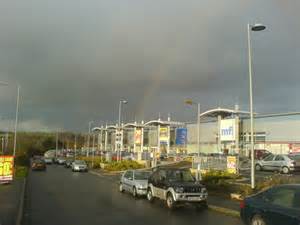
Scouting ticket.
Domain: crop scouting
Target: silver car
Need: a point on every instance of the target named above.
(281, 163)
(135, 182)
(79, 165)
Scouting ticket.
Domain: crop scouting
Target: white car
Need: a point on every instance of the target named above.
(61, 160)
(79, 165)
(135, 182)
(48, 160)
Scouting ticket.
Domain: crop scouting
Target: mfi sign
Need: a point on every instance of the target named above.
(227, 130)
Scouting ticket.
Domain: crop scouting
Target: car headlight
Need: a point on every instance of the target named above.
(179, 189)
(204, 190)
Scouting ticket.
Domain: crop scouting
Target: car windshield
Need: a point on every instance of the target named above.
(80, 162)
(141, 175)
(180, 176)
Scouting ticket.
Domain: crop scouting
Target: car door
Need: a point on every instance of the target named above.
(283, 207)
(267, 163)
(126, 180)
(161, 186)
(154, 181)
(278, 162)
(130, 181)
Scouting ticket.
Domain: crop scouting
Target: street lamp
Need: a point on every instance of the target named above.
(122, 101)
(255, 27)
(190, 102)
(88, 140)
(16, 116)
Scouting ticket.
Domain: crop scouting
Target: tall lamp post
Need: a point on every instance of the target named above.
(121, 102)
(190, 102)
(255, 27)
(88, 139)
(16, 116)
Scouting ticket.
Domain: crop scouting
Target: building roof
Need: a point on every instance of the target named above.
(223, 112)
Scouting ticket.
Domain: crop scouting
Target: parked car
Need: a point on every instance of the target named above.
(61, 160)
(79, 165)
(38, 164)
(281, 163)
(135, 182)
(276, 206)
(260, 154)
(48, 160)
(176, 187)
(68, 163)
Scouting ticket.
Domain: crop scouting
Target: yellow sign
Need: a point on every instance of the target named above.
(6, 168)
(231, 164)
(138, 136)
(163, 135)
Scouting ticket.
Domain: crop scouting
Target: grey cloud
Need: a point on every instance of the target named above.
(76, 59)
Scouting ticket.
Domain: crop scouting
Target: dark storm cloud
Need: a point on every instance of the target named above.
(76, 59)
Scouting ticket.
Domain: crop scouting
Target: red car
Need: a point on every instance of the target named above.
(260, 154)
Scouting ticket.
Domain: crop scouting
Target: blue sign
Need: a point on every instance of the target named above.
(181, 136)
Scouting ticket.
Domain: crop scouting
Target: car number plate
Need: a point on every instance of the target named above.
(193, 198)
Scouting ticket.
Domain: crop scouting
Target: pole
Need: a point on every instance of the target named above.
(2, 139)
(75, 146)
(198, 143)
(88, 140)
(56, 145)
(119, 125)
(16, 119)
(251, 109)
(105, 138)
(93, 148)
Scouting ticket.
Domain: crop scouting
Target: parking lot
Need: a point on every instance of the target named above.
(59, 196)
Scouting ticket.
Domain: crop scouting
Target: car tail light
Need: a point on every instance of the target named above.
(242, 204)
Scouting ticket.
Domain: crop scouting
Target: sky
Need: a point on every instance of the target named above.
(75, 60)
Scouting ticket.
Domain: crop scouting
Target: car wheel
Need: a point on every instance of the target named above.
(257, 220)
(121, 188)
(258, 167)
(285, 170)
(150, 195)
(170, 201)
(134, 193)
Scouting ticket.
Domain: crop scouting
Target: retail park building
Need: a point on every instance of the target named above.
(221, 130)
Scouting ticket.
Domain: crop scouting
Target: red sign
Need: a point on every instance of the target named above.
(6, 168)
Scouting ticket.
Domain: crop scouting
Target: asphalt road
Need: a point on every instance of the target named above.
(60, 197)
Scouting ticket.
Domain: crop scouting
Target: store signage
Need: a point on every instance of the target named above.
(227, 130)
(6, 168)
(181, 136)
(138, 136)
(163, 135)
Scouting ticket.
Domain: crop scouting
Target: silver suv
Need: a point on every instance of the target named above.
(281, 163)
(176, 186)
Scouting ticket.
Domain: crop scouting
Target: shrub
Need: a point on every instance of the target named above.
(123, 165)
(93, 162)
(21, 171)
(22, 160)
(218, 180)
